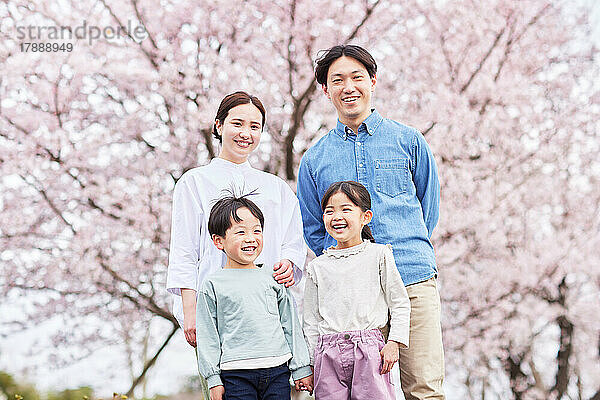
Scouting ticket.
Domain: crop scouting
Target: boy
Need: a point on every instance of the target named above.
(249, 334)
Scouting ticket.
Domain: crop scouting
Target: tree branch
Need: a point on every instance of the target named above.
(150, 303)
(512, 40)
(563, 356)
(139, 17)
(149, 56)
(152, 361)
(483, 60)
(368, 12)
(51, 204)
(429, 128)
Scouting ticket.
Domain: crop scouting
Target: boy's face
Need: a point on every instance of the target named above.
(243, 241)
(349, 87)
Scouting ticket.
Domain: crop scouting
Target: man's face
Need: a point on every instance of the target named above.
(349, 87)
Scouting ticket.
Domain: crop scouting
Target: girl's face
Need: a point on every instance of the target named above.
(344, 220)
(240, 132)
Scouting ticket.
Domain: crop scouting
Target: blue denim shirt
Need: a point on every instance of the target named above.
(394, 162)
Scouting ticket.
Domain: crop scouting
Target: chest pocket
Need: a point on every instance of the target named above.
(271, 299)
(392, 176)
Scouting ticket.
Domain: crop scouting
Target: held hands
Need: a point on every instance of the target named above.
(389, 356)
(284, 272)
(217, 392)
(305, 384)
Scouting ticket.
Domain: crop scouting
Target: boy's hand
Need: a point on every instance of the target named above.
(389, 356)
(304, 384)
(217, 392)
(284, 272)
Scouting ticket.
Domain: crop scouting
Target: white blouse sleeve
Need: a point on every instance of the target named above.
(311, 317)
(185, 249)
(396, 297)
(293, 247)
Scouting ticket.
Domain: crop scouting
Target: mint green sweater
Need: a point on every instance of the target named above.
(244, 314)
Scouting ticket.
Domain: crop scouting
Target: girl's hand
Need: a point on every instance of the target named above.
(304, 384)
(389, 356)
(217, 392)
(284, 272)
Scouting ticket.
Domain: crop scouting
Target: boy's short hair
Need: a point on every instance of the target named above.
(226, 208)
(325, 60)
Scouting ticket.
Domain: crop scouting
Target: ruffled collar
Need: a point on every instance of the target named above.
(347, 252)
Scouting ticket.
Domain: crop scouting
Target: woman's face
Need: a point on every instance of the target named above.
(240, 132)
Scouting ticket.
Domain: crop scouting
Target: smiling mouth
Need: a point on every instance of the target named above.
(243, 143)
(249, 249)
(350, 100)
(339, 227)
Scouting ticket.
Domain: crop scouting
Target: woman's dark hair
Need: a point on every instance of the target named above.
(233, 100)
(325, 60)
(358, 194)
(226, 208)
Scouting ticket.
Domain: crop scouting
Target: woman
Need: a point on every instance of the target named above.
(238, 126)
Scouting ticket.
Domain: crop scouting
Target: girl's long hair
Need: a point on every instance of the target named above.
(358, 194)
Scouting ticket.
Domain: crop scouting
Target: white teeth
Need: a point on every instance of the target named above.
(242, 143)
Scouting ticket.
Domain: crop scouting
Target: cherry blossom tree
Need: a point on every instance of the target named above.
(93, 140)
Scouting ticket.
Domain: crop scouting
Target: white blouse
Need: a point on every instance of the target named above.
(355, 289)
(193, 255)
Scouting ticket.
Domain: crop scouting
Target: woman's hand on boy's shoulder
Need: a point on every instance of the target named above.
(217, 392)
(304, 384)
(284, 272)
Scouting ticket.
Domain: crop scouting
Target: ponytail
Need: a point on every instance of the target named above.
(366, 234)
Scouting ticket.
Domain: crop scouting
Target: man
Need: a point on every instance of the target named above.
(396, 165)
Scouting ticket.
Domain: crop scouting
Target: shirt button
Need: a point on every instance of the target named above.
(360, 165)
(346, 336)
(358, 143)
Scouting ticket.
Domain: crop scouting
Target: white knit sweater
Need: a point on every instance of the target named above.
(354, 289)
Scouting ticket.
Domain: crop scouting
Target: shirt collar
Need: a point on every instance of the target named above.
(223, 163)
(348, 251)
(370, 124)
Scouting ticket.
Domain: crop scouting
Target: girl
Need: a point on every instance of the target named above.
(349, 293)
(238, 126)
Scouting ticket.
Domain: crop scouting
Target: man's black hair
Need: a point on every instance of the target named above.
(226, 208)
(325, 60)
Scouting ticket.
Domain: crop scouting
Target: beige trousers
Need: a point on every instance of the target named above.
(422, 364)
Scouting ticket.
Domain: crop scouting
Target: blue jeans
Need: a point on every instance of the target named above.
(257, 384)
